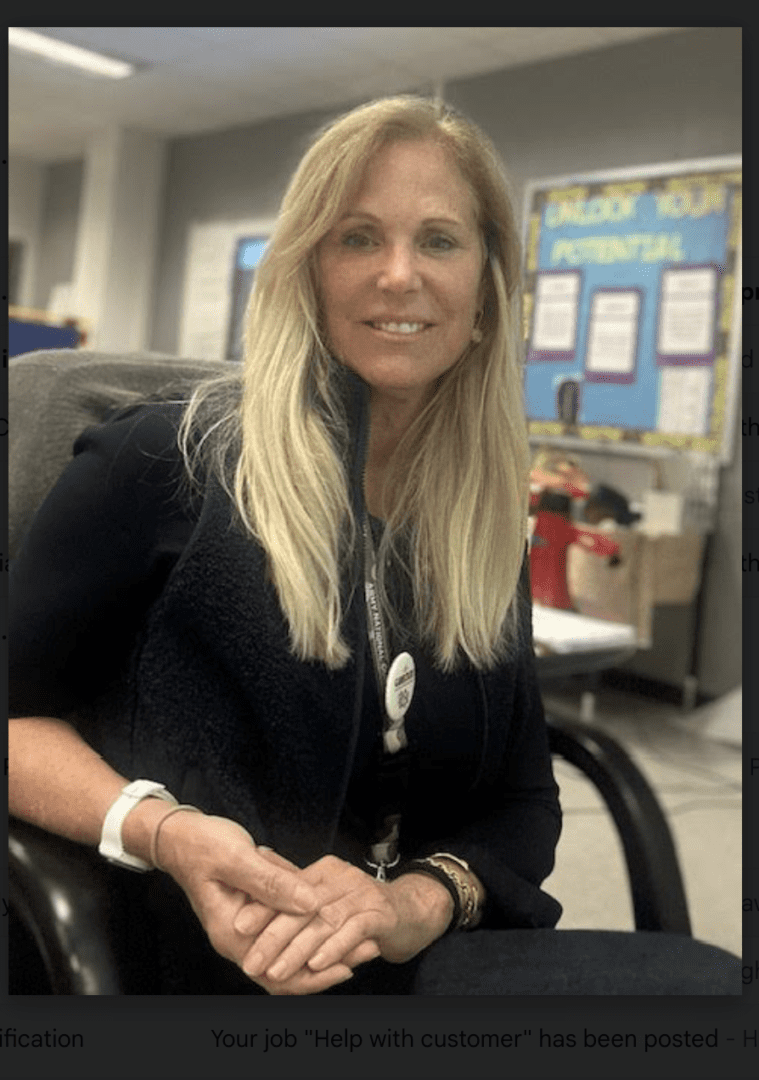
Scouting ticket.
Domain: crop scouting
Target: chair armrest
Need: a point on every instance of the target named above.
(659, 901)
(67, 897)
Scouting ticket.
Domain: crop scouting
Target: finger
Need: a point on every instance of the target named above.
(365, 903)
(218, 907)
(275, 886)
(284, 949)
(252, 918)
(338, 947)
(338, 928)
(215, 901)
(306, 982)
(272, 940)
(274, 857)
(303, 946)
(362, 954)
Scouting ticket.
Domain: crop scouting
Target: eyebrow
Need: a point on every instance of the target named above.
(427, 221)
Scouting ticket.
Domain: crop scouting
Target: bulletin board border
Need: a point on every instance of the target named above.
(718, 442)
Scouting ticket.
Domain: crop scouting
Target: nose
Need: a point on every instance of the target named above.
(399, 271)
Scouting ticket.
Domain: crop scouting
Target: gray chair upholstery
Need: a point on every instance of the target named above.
(54, 395)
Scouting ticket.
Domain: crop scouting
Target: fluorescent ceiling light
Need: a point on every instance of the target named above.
(60, 52)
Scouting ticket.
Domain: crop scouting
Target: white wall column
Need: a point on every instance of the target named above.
(115, 259)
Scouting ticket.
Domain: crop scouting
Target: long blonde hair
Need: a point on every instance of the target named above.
(461, 495)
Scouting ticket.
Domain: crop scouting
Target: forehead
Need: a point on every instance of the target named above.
(422, 174)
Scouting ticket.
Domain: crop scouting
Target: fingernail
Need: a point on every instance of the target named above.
(276, 970)
(243, 925)
(253, 965)
(317, 962)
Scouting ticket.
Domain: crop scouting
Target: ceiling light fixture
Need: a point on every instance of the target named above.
(60, 52)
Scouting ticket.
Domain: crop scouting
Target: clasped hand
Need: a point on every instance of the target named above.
(297, 931)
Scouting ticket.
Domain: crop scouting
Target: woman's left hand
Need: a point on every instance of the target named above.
(359, 918)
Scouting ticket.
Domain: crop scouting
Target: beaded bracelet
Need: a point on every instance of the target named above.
(466, 899)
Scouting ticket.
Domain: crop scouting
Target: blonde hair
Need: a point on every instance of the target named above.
(461, 468)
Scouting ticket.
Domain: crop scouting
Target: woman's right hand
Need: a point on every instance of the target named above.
(219, 867)
(213, 859)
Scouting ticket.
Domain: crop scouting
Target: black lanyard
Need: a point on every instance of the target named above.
(395, 683)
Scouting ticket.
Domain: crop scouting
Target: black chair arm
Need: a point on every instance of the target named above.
(67, 898)
(653, 869)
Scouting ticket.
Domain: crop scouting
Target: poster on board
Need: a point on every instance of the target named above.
(632, 307)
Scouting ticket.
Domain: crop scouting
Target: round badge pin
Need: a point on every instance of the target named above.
(399, 686)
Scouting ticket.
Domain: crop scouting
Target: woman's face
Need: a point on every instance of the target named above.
(401, 274)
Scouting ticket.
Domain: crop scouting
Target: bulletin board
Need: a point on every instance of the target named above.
(632, 307)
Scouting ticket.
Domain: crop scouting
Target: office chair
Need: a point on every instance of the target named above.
(73, 923)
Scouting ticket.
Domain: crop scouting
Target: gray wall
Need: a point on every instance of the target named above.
(662, 99)
(60, 214)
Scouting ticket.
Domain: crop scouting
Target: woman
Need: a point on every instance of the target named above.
(212, 637)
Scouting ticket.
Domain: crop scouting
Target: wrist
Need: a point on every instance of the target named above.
(140, 826)
(429, 901)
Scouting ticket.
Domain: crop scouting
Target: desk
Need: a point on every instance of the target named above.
(570, 644)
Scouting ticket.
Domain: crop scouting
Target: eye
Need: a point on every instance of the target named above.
(440, 242)
(356, 240)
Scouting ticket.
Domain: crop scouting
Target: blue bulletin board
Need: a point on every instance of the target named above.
(632, 307)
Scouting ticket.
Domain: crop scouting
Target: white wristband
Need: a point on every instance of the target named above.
(111, 845)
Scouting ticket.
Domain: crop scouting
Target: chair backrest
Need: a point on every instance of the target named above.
(55, 394)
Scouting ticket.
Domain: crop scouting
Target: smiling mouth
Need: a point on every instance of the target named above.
(399, 327)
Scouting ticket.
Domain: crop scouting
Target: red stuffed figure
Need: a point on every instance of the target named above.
(552, 535)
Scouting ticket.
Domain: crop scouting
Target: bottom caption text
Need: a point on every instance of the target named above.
(265, 1040)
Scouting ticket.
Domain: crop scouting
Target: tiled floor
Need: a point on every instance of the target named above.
(698, 782)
